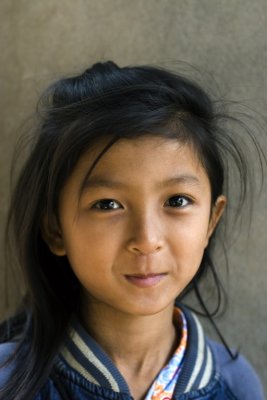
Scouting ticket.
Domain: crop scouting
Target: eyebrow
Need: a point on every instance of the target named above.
(101, 182)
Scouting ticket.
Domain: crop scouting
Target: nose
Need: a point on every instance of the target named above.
(146, 235)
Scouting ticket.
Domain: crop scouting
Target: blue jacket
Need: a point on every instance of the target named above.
(208, 373)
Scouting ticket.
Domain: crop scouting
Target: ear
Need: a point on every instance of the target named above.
(53, 237)
(216, 214)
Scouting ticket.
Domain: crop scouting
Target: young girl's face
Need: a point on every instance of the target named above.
(136, 236)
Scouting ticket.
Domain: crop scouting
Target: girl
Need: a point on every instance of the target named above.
(113, 217)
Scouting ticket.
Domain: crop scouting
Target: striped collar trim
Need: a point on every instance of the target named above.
(82, 353)
(199, 364)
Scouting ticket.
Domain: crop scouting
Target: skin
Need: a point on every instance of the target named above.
(135, 251)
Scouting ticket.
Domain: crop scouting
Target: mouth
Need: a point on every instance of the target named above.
(145, 281)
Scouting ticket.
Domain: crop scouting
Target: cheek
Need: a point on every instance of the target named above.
(90, 265)
(189, 242)
(90, 250)
(194, 228)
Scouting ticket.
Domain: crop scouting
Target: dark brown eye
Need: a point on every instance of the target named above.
(178, 201)
(107, 204)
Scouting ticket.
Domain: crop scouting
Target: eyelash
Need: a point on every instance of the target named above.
(105, 204)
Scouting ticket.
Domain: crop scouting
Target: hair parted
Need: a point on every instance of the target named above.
(104, 104)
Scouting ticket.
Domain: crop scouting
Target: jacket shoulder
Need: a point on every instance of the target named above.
(6, 351)
(238, 374)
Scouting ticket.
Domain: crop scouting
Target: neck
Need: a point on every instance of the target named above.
(140, 346)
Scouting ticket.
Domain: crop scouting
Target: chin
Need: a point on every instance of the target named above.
(147, 309)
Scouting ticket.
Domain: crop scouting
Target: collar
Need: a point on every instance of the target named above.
(199, 364)
(83, 354)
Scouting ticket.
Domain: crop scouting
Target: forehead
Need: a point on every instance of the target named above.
(146, 159)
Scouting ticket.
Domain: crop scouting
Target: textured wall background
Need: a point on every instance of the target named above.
(40, 41)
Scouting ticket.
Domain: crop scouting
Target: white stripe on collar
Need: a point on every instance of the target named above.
(208, 370)
(77, 366)
(203, 368)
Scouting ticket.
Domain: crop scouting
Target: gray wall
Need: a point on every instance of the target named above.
(41, 40)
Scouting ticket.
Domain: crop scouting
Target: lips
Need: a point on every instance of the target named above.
(145, 281)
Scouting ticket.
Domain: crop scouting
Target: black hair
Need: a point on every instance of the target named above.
(104, 104)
